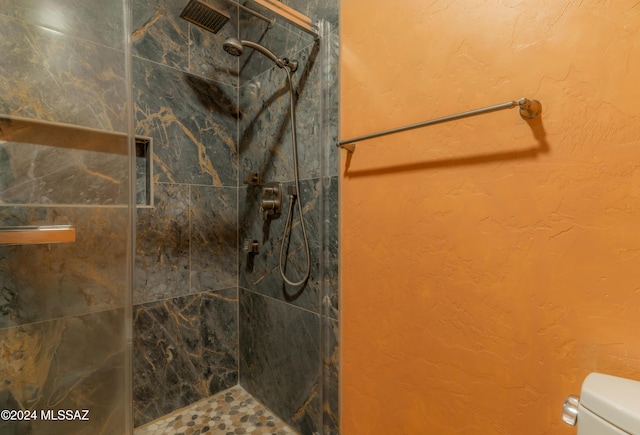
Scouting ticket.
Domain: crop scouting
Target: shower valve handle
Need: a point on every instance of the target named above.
(269, 208)
(271, 203)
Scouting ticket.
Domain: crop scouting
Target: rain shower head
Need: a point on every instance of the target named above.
(234, 47)
(204, 15)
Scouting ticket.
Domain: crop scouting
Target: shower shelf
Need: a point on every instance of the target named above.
(35, 235)
(16, 129)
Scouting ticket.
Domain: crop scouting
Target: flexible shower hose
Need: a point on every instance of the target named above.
(288, 227)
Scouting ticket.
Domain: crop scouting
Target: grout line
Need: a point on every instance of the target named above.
(189, 202)
(166, 298)
(55, 319)
(189, 70)
(238, 241)
(281, 301)
(171, 183)
(181, 70)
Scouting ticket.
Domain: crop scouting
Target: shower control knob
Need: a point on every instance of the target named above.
(269, 205)
(271, 202)
(251, 246)
(570, 410)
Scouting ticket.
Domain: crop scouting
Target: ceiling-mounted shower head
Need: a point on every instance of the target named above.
(204, 15)
(234, 47)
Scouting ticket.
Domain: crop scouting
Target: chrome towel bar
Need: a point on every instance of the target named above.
(529, 109)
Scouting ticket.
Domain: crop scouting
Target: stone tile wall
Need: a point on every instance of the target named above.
(185, 277)
(283, 361)
(186, 348)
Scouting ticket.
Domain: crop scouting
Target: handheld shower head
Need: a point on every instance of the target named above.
(234, 47)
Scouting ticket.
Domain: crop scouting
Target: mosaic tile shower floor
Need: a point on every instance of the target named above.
(230, 412)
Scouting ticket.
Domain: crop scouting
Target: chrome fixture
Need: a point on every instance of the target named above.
(570, 410)
(235, 47)
(253, 179)
(251, 246)
(271, 203)
(529, 109)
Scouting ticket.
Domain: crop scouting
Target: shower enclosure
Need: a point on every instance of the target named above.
(157, 304)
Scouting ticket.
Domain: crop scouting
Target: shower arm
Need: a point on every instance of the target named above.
(264, 51)
(529, 109)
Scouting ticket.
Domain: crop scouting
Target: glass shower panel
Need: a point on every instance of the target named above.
(329, 294)
(65, 165)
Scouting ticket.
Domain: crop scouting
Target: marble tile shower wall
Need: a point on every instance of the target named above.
(63, 61)
(185, 276)
(188, 99)
(281, 360)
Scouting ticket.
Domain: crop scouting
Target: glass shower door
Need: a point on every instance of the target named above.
(65, 218)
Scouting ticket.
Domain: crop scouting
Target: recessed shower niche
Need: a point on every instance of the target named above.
(144, 171)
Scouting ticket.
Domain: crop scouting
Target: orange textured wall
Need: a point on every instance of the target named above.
(489, 264)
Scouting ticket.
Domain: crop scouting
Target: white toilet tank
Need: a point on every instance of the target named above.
(607, 405)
